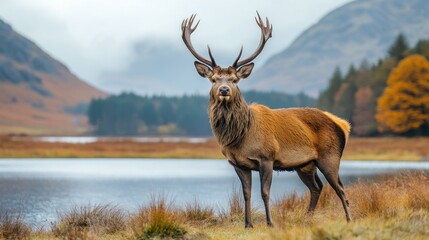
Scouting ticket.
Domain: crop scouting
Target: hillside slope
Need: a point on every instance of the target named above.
(356, 31)
(38, 94)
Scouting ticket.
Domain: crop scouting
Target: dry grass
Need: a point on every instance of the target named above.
(88, 222)
(392, 207)
(389, 195)
(107, 149)
(387, 148)
(235, 205)
(13, 227)
(158, 220)
(196, 213)
(413, 149)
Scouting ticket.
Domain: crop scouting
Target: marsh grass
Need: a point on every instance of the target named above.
(395, 206)
(374, 148)
(88, 222)
(158, 220)
(12, 226)
(196, 213)
(235, 207)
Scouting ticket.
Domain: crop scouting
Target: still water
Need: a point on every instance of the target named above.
(38, 188)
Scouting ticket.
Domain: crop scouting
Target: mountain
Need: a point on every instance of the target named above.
(356, 31)
(38, 94)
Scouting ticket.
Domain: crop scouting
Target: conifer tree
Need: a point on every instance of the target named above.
(399, 48)
(326, 99)
(422, 48)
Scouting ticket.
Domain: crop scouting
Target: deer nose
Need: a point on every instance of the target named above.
(224, 91)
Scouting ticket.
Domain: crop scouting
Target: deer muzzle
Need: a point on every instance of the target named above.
(224, 93)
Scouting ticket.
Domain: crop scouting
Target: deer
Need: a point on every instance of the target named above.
(256, 138)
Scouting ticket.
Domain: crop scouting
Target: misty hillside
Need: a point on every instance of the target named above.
(38, 94)
(158, 66)
(359, 30)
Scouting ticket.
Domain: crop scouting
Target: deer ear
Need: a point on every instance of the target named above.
(203, 70)
(245, 71)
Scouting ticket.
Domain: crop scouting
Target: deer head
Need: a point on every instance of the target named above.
(224, 80)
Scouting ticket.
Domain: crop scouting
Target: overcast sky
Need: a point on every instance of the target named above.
(92, 37)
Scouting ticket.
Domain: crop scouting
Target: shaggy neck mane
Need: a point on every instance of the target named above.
(230, 121)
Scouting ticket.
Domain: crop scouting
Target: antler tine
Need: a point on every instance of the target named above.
(191, 21)
(196, 25)
(184, 24)
(234, 65)
(187, 30)
(211, 56)
(266, 33)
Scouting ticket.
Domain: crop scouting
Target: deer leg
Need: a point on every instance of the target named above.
(341, 185)
(266, 176)
(308, 176)
(330, 171)
(318, 181)
(246, 185)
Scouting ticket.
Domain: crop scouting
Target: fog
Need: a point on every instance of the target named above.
(113, 44)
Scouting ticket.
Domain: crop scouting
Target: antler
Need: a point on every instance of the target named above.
(266, 33)
(187, 30)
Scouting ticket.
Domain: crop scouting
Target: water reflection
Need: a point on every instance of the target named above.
(37, 188)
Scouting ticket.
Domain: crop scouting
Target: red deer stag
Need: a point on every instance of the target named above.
(255, 137)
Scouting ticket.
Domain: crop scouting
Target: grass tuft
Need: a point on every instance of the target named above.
(89, 222)
(290, 209)
(195, 212)
(235, 209)
(13, 227)
(158, 220)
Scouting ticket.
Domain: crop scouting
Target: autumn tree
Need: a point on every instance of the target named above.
(356, 93)
(363, 117)
(404, 105)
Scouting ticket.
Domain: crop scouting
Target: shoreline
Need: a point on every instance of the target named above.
(371, 149)
(375, 216)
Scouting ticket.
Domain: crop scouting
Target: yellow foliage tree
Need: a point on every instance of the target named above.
(404, 105)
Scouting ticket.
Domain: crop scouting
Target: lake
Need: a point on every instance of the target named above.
(38, 188)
